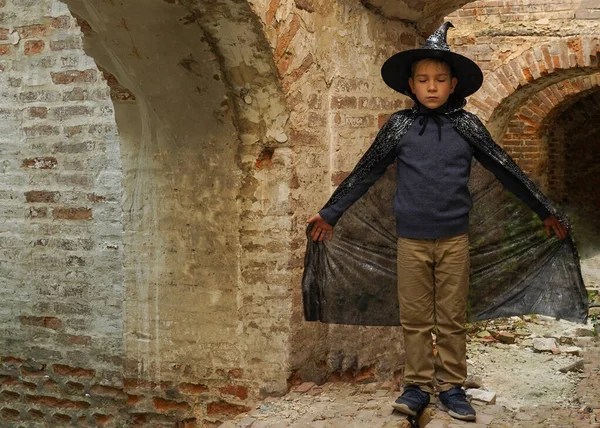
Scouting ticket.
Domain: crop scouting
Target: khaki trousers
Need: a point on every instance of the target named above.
(433, 285)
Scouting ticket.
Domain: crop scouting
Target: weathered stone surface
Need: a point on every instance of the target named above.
(473, 382)
(481, 395)
(544, 344)
(505, 337)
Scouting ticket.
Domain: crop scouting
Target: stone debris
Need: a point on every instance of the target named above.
(482, 396)
(505, 337)
(577, 366)
(304, 387)
(544, 344)
(571, 350)
(585, 331)
(473, 382)
(527, 374)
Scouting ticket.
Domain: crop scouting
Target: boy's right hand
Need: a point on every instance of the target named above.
(321, 228)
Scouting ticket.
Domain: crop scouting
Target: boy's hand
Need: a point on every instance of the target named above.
(321, 228)
(551, 224)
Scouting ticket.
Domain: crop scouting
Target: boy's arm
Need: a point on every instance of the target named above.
(355, 185)
(332, 213)
(512, 183)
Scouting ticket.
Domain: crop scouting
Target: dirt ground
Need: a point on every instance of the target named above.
(531, 386)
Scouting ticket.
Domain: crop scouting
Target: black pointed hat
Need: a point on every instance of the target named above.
(397, 69)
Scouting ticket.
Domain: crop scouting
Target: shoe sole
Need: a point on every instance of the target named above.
(452, 413)
(403, 408)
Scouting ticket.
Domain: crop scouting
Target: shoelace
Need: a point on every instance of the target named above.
(425, 120)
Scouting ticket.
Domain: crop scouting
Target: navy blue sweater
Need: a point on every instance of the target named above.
(432, 196)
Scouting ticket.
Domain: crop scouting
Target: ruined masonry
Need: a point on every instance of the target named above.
(159, 159)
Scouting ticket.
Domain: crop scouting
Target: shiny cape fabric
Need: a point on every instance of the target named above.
(515, 268)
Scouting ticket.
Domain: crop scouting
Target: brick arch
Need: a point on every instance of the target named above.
(573, 146)
(524, 135)
(507, 87)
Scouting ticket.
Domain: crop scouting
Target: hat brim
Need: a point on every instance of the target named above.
(397, 69)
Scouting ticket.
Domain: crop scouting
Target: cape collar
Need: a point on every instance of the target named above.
(453, 105)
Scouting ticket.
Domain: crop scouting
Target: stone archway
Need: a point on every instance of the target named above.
(524, 131)
(506, 88)
(206, 171)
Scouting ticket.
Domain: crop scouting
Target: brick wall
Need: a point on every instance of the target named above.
(527, 65)
(61, 236)
(129, 300)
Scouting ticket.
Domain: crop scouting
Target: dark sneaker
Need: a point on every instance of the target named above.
(455, 403)
(412, 401)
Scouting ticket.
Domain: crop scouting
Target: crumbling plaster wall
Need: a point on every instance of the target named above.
(235, 122)
(197, 213)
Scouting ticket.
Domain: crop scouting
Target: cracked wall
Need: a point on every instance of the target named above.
(160, 169)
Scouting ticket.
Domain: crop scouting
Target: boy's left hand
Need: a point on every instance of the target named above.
(552, 223)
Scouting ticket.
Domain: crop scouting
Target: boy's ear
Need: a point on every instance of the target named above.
(411, 83)
(454, 83)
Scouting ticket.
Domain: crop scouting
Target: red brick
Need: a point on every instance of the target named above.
(41, 196)
(235, 373)
(10, 414)
(73, 76)
(163, 405)
(236, 390)
(301, 70)
(6, 50)
(34, 47)
(188, 423)
(285, 39)
(192, 388)
(47, 322)
(48, 401)
(37, 112)
(92, 197)
(40, 163)
(133, 399)
(32, 31)
(225, 408)
(61, 22)
(30, 385)
(36, 414)
(341, 102)
(74, 387)
(61, 417)
(102, 419)
(41, 130)
(72, 213)
(61, 369)
(12, 360)
(108, 391)
(273, 6)
(10, 395)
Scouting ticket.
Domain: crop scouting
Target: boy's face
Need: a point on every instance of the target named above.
(431, 83)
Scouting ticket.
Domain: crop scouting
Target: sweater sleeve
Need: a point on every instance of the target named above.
(512, 183)
(332, 213)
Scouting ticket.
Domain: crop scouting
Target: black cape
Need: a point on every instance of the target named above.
(515, 268)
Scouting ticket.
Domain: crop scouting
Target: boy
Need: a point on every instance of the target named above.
(431, 205)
